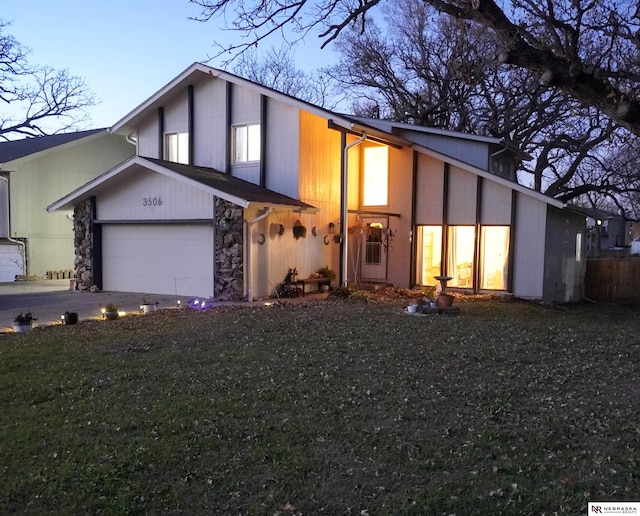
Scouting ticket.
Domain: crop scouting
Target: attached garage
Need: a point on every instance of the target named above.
(158, 227)
(158, 258)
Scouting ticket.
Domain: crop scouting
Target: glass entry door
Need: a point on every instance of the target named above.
(374, 252)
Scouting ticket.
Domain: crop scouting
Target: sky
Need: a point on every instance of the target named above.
(126, 50)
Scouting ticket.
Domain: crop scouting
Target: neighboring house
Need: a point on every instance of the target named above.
(234, 183)
(607, 233)
(34, 172)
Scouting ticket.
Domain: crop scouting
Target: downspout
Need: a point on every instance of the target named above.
(345, 208)
(21, 244)
(248, 225)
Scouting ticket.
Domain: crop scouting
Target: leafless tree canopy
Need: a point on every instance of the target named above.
(588, 49)
(36, 100)
(276, 69)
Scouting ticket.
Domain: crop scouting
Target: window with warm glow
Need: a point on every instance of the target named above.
(176, 147)
(429, 239)
(461, 244)
(246, 141)
(494, 250)
(376, 176)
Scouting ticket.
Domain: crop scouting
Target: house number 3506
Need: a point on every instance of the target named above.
(152, 201)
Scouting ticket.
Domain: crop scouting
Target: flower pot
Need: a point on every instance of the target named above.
(111, 316)
(21, 328)
(70, 318)
(444, 300)
(412, 309)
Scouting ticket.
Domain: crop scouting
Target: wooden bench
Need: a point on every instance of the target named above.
(312, 281)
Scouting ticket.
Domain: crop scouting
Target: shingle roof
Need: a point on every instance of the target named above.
(21, 148)
(228, 184)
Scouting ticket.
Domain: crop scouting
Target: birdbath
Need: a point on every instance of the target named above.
(444, 300)
(443, 282)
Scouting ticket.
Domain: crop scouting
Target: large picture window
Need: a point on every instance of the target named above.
(494, 250)
(376, 176)
(246, 141)
(429, 240)
(177, 147)
(461, 244)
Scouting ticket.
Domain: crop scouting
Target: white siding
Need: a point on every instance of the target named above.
(147, 135)
(126, 200)
(209, 124)
(283, 152)
(496, 204)
(529, 261)
(462, 190)
(245, 106)
(176, 115)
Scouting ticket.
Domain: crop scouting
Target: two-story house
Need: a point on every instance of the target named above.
(234, 183)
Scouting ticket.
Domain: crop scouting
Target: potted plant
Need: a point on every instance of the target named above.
(69, 318)
(23, 322)
(326, 272)
(110, 312)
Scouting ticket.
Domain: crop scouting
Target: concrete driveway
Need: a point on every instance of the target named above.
(47, 300)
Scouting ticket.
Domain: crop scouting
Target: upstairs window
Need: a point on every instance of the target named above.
(176, 147)
(376, 176)
(246, 142)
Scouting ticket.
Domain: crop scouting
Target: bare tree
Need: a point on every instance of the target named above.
(276, 69)
(37, 100)
(589, 49)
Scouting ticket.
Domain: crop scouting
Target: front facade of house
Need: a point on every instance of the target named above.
(234, 184)
(35, 172)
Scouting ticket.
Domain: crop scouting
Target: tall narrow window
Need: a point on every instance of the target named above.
(177, 147)
(578, 246)
(376, 176)
(494, 252)
(429, 239)
(461, 245)
(246, 141)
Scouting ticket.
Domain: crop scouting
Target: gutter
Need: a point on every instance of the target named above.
(345, 208)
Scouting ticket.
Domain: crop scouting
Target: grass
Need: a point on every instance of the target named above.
(334, 407)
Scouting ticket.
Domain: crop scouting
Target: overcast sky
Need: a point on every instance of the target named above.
(124, 49)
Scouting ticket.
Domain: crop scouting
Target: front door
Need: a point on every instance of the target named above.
(374, 253)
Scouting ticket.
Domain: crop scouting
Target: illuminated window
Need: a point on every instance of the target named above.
(246, 141)
(376, 176)
(176, 147)
(429, 239)
(461, 243)
(494, 250)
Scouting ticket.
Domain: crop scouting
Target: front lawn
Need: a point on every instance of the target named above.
(333, 407)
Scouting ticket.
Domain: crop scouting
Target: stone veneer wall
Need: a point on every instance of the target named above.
(83, 244)
(229, 259)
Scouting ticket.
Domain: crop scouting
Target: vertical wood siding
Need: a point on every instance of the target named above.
(496, 204)
(147, 135)
(462, 197)
(430, 185)
(283, 150)
(210, 131)
(529, 247)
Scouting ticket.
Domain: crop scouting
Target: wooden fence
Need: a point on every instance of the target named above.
(612, 280)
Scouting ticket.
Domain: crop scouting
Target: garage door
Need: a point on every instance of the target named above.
(11, 262)
(172, 259)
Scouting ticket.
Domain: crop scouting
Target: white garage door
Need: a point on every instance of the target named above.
(11, 262)
(172, 259)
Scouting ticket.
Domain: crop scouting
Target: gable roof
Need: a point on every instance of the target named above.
(209, 180)
(17, 149)
(128, 124)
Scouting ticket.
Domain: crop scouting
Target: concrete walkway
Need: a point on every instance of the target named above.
(47, 300)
